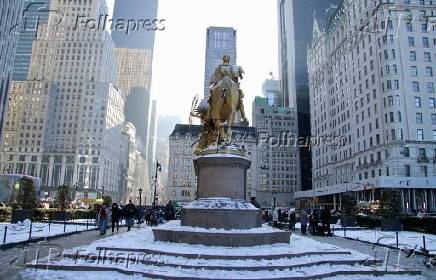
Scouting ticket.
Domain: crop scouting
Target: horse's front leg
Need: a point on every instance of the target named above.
(230, 122)
(219, 128)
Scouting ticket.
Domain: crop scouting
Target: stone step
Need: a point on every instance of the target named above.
(154, 272)
(181, 263)
(221, 257)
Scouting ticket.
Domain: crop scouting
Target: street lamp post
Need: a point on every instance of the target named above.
(140, 206)
(274, 199)
(158, 168)
(140, 198)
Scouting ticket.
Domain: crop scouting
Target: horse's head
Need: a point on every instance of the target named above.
(226, 84)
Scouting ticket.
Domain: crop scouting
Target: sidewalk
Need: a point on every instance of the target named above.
(411, 263)
(12, 260)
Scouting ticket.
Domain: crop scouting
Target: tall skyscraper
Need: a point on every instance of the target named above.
(10, 15)
(295, 21)
(277, 161)
(151, 150)
(220, 41)
(153, 132)
(65, 123)
(134, 80)
(372, 91)
(134, 52)
(295, 32)
(137, 10)
(35, 13)
(271, 90)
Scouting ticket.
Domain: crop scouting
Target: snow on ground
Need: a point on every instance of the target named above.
(90, 275)
(220, 203)
(365, 277)
(406, 239)
(41, 274)
(20, 232)
(142, 238)
(175, 226)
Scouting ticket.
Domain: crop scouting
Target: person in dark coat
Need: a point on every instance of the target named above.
(313, 223)
(116, 216)
(292, 220)
(303, 221)
(153, 219)
(102, 218)
(325, 220)
(280, 215)
(147, 217)
(129, 214)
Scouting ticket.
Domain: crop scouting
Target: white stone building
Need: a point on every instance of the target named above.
(64, 124)
(277, 161)
(182, 181)
(372, 92)
(271, 90)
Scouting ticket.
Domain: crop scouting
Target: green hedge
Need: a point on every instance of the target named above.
(41, 214)
(426, 224)
(368, 221)
(84, 214)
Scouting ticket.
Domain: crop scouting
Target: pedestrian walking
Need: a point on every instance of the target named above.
(325, 220)
(153, 219)
(116, 216)
(313, 223)
(275, 218)
(102, 218)
(303, 222)
(292, 220)
(129, 214)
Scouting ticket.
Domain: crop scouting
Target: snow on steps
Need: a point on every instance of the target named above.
(166, 265)
(152, 272)
(223, 264)
(218, 256)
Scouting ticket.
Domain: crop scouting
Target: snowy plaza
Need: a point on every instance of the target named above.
(135, 255)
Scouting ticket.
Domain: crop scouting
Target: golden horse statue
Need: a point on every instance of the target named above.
(226, 99)
(223, 106)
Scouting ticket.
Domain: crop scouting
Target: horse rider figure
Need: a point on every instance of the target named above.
(234, 73)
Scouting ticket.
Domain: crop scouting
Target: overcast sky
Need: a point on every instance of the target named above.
(178, 68)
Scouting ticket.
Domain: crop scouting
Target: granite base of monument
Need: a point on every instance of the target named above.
(224, 213)
(225, 239)
(221, 216)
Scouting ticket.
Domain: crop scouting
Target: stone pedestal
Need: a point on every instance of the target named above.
(221, 216)
(221, 176)
(221, 213)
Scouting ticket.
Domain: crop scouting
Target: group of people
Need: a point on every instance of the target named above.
(317, 224)
(130, 212)
(116, 214)
(320, 225)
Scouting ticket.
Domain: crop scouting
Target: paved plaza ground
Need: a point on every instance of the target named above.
(12, 260)
(173, 260)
